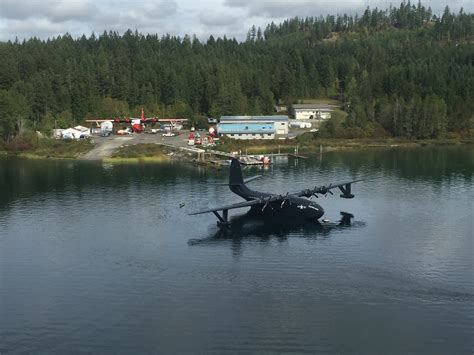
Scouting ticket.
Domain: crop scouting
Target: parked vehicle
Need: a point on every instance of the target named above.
(123, 132)
(153, 130)
(170, 134)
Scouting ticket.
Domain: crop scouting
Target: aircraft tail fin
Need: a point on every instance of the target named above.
(235, 175)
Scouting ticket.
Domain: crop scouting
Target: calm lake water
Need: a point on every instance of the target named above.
(100, 258)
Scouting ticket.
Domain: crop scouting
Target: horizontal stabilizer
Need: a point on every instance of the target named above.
(237, 183)
(252, 178)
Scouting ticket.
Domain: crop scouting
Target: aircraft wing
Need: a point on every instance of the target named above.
(345, 188)
(230, 207)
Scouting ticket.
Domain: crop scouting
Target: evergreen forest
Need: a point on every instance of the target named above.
(399, 72)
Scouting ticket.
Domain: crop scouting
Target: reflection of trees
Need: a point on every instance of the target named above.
(433, 163)
(23, 178)
(430, 163)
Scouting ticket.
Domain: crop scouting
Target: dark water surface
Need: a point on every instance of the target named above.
(101, 259)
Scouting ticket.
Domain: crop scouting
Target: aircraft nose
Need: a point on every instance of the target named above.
(317, 211)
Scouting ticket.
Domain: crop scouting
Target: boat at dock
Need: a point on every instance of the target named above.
(254, 160)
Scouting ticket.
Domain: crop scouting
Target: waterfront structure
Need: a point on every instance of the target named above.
(312, 111)
(252, 127)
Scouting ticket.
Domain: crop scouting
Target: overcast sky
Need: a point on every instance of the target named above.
(46, 18)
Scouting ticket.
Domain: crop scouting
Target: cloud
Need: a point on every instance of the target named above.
(284, 9)
(278, 9)
(20, 10)
(150, 17)
(41, 28)
(86, 10)
(233, 18)
(53, 10)
(214, 19)
(28, 18)
(160, 9)
(60, 11)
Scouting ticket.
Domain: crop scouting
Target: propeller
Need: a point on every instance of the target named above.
(312, 192)
(328, 190)
(284, 200)
(325, 190)
(309, 192)
(265, 205)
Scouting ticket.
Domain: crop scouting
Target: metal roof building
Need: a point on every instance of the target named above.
(247, 130)
(253, 127)
(254, 118)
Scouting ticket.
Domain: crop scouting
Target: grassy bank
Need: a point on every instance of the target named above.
(153, 153)
(34, 148)
(139, 153)
(310, 145)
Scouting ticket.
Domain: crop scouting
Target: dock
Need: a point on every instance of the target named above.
(297, 156)
(212, 157)
(250, 160)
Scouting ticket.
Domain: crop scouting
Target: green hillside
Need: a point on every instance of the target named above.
(401, 72)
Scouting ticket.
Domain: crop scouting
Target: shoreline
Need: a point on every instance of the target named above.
(327, 145)
(166, 153)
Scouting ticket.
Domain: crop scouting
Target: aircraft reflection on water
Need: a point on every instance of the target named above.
(251, 226)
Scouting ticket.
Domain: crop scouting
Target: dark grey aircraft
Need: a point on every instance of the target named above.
(290, 206)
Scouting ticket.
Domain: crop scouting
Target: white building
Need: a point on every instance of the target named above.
(85, 132)
(312, 111)
(77, 132)
(70, 133)
(58, 133)
(300, 124)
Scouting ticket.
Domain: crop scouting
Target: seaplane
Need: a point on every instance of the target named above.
(295, 206)
(137, 123)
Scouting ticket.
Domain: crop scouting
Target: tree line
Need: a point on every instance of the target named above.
(398, 72)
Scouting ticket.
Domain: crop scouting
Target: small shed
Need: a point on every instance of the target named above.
(58, 133)
(85, 132)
